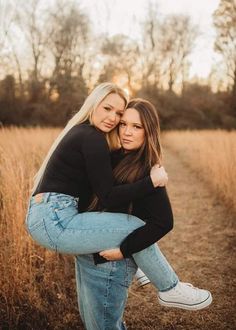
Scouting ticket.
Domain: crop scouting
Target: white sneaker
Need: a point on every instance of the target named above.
(141, 278)
(185, 296)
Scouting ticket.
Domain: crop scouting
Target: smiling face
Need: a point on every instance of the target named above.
(108, 113)
(131, 130)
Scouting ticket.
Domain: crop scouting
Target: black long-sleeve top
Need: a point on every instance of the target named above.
(81, 166)
(154, 208)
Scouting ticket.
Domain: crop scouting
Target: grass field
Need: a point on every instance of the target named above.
(210, 153)
(37, 287)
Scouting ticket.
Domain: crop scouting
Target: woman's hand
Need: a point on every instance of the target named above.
(159, 176)
(112, 254)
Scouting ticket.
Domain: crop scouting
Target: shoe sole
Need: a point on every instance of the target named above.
(194, 307)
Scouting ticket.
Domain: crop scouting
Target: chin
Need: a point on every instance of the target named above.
(129, 149)
(104, 129)
(107, 130)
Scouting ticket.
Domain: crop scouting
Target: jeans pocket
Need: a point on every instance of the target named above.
(63, 211)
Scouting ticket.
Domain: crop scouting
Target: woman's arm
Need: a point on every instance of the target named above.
(156, 211)
(99, 171)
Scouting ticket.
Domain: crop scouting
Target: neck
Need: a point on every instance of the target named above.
(125, 151)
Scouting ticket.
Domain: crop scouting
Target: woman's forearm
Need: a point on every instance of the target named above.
(156, 211)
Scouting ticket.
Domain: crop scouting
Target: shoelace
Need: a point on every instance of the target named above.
(189, 284)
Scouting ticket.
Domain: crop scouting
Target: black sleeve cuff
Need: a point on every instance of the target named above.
(99, 259)
(124, 249)
(149, 183)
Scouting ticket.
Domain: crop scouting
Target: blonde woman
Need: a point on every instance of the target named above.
(77, 165)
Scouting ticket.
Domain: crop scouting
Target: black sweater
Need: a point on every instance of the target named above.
(81, 166)
(154, 208)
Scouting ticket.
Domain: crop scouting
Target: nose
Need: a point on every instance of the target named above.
(128, 130)
(112, 116)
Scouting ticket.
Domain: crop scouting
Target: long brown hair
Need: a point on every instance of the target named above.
(138, 163)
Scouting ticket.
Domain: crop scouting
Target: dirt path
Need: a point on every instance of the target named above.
(200, 249)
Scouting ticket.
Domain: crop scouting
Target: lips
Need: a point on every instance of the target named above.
(126, 141)
(109, 125)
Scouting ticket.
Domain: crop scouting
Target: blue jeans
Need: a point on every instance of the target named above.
(102, 291)
(54, 222)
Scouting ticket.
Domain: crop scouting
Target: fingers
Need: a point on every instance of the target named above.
(103, 254)
(113, 254)
(106, 254)
(159, 176)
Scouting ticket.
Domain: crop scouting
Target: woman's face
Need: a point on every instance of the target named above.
(131, 131)
(108, 113)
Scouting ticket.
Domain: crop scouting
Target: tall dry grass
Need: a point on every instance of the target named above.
(212, 154)
(29, 284)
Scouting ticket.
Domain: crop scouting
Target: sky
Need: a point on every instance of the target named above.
(122, 16)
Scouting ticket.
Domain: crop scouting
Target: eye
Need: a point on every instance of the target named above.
(107, 108)
(122, 124)
(137, 127)
(119, 114)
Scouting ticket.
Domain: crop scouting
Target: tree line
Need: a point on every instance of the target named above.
(51, 57)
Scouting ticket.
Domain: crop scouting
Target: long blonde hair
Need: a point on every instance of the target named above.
(85, 113)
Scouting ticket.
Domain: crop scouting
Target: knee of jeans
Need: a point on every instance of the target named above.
(141, 222)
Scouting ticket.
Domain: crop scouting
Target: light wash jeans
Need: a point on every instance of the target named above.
(54, 222)
(102, 291)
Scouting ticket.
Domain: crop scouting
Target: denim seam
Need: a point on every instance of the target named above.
(106, 296)
(52, 244)
(152, 253)
(96, 230)
(126, 280)
(33, 228)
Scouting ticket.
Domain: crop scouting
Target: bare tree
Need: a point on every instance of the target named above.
(16, 58)
(3, 23)
(166, 45)
(177, 37)
(150, 50)
(8, 41)
(6, 18)
(31, 19)
(103, 10)
(121, 61)
(225, 44)
(68, 42)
